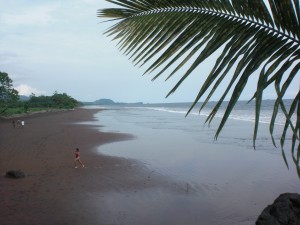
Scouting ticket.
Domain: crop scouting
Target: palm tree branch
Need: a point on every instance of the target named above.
(203, 37)
(251, 34)
(222, 36)
(176, 30)
(189, 35)
(257, 59)
(224, 61)
(293, 109)
(279, 11)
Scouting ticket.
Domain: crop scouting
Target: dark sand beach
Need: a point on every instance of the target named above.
(54, 192)
(232, 188)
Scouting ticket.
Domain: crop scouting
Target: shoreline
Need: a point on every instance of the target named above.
(226, 182)
(55, 192)
(121, 190)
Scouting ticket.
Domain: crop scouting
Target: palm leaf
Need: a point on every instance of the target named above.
(253, 36)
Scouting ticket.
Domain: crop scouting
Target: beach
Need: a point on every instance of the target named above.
(137, 171)
(54, 192)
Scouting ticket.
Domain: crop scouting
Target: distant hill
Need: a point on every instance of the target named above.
(23, 98)
(105, 101)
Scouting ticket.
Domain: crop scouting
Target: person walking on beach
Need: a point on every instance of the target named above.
(18, 123)
(77, 158)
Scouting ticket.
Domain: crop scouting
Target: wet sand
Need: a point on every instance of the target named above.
(54, 192)
(223, 182)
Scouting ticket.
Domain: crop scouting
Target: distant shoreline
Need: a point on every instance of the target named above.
(19, 115)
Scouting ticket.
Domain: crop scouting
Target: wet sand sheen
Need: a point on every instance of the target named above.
(225, 181)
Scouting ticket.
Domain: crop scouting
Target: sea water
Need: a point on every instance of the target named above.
(164, 129)
(233, 181)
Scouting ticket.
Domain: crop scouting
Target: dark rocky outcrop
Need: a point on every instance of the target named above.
(15, 174)
(284, 211)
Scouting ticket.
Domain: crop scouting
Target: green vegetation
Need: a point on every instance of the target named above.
(10, 103)
(57, 101)
(261, 36)
(8, 95)
(40, 103)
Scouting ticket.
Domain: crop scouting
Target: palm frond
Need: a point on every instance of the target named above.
(254, 36)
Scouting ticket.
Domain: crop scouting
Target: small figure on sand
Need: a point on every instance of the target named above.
(22, 123)
(77, 158)
(18, 123)
(14, 123)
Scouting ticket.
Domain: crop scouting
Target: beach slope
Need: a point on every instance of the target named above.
(54, 192)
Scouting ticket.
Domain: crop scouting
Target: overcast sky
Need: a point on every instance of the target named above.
(58, 45)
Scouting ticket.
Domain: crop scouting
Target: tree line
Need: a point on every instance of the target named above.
(10, 102)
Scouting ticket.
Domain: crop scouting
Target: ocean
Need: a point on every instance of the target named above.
(228, 181)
